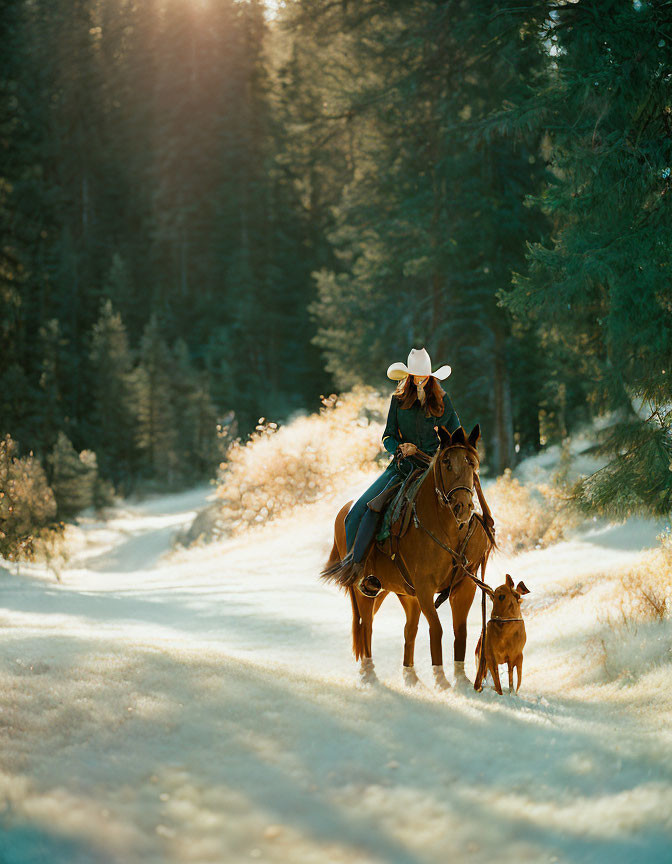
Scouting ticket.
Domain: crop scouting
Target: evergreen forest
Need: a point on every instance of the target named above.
(213, 211)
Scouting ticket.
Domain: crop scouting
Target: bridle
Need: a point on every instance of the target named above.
(443, 496)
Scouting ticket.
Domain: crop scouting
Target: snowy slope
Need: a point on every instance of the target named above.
(202, 706)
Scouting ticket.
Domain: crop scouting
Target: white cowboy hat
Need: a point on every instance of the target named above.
(418, 364)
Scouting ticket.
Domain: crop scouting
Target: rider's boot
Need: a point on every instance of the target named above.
(368, 584)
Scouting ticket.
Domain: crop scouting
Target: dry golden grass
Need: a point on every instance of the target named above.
(279, 469)
(634, 635)
(526, 517)
(319, 456)
(647, 588)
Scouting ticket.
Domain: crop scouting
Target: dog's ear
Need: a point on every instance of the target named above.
(509, 581)
(459, 437)
(474, 435)
(521, 589)
(444, 437)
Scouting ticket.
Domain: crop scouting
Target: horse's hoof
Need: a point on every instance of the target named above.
(369, 586)
(440, 680)
(461, 683)
(410, 677)
(367, 673)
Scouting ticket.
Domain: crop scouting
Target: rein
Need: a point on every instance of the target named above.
(443, 496)
(459, 558)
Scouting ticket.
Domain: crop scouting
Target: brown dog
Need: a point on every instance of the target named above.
(504, 635)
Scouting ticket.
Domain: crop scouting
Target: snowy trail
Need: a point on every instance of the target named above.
(202, 706)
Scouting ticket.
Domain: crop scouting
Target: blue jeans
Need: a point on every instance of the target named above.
(358, 509)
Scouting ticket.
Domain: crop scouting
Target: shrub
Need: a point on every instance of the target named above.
(27, 506)
(278, 469)
(526, 516)
(75, 480)
(648, 586)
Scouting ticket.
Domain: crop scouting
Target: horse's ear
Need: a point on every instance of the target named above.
(521, 589)
(459, 437)
(444, 437)
(509, 581)
(474, 435)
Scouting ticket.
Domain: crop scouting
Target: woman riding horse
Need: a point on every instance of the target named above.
(419, 406)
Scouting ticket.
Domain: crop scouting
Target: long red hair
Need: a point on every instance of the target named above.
(407, 393)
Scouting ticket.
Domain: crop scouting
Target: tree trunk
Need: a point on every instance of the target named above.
(503, 442)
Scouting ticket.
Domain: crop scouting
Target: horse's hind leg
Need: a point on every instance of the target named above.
(366, 606)
(378, 602)
(412, 610)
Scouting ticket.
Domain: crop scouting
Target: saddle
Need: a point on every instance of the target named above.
(395, 504)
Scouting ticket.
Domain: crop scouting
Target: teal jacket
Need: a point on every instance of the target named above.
(410, 425)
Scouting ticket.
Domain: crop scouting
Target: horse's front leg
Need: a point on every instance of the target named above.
(412, 610)
(461, 599)
(426, 601)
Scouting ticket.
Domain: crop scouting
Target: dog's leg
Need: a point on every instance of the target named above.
(519, 669)
(494, 670)
(478, 683)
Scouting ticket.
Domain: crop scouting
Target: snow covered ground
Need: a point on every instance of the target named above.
(202, 706)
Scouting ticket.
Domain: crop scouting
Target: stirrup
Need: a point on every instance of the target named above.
(369, 590)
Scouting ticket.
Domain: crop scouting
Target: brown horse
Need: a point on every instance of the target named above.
(446, 537)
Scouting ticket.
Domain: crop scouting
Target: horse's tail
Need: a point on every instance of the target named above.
(333, 558)
(357, 626)
(343, 573)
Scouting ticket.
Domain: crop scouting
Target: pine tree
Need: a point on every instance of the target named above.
(147, 159)
(114, 400)
(598, 291)
(208, 448)
(156, 434)
(118, 290)
(27, 222)
(55, 369)
(73, 478)
(435, 219)
(195, 416)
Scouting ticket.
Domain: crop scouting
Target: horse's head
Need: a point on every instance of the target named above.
(456, 465)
